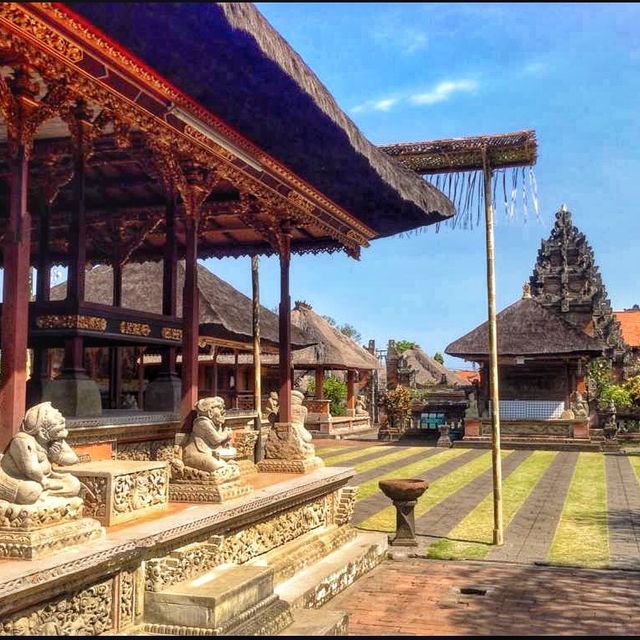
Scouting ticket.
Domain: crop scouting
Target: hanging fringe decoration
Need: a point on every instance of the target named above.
(465, 189)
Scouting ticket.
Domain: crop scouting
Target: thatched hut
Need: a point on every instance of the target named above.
(542, 361)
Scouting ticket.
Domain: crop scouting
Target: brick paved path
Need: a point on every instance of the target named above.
(528, 538)
(422, 597)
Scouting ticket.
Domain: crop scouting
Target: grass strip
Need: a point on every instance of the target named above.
(394, 456)
(472, 537)
(353, 455)
(581, 536)
(385, 519)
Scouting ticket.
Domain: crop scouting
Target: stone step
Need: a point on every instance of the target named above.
(310, 588)
(304, 551)
(310, 622)
(215, 601)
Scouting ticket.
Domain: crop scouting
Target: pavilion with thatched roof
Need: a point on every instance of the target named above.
(542, 364)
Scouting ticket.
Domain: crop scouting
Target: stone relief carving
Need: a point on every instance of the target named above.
(86, 612)
(580, 407)
(26, 474)
(361, 406)
(272, 407)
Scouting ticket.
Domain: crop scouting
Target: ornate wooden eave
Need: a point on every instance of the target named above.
(69, 52)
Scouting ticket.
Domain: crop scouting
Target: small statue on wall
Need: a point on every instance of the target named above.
(272, 407)
(580, 407)
(361, 406)
(26, 473)
(208, 446)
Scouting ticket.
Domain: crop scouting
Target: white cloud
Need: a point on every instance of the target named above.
(414, 41)
(383, 104)
(406, 39)
(443, 91)
(535, 69)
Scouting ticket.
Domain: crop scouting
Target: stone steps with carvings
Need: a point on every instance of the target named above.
(316, 623)
(314, 586)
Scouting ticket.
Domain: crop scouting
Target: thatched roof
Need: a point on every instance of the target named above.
(332, 349)
(429, 371)
(526, 328)
(225, 313)
(228, 59)
(518, 148)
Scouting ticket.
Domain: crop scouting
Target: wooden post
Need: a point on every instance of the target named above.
(285, 329)
(236, 377)
(15, 307)
(319, 383)
(351, 392)
(170, 280)
(498, 537)
(115, 354)
(141, 378)
(190, 318)
(215, 371)
(257, 361)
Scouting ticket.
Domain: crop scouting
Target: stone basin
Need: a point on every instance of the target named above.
(403, 490)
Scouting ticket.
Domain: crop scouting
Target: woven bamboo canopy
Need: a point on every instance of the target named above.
(514, 149)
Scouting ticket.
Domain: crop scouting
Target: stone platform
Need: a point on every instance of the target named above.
(102, 587)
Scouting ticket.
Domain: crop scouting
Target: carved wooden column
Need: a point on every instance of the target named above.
(190, 318)
(351, 395)
(15, 307)
(319, 383)
(115, 353)
(73, 392)
(284, 339)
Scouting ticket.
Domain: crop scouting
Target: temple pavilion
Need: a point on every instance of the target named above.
(161, 133)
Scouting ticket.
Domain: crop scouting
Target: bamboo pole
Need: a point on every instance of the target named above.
(498, 537)
(257, 362)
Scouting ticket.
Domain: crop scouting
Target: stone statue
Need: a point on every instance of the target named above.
(207, 447)
(26, 473)
(289, 447)
(580, 407)
(272, 407)
(472, 408)
(361, 406)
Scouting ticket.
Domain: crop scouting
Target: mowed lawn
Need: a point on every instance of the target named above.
(560, 508)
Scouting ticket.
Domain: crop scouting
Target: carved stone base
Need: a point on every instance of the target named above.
(74, 396)
(276, 465)
(117, 491)
(193, 491)
(34, 530)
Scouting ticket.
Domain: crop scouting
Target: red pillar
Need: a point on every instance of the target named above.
(190, 317)
(285, 330)
(15, 307)
(319, 383)
(351, 392)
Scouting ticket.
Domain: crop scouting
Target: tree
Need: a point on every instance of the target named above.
(438, 357)
(330, 320)
(334, 390)
(403, 345)
(350, 331)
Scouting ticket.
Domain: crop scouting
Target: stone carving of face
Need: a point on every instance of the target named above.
(212, 408)
(45, 423)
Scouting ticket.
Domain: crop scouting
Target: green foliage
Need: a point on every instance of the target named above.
(438, 357)
(330, 320)
(348, 329)
(403, 345)
(606, 389)
(397, 406)
(334, 390)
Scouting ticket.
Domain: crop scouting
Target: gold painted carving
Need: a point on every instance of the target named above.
(135, 328)
(90, 323)
(169, 333)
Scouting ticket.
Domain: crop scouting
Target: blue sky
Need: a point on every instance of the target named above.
(425, 71)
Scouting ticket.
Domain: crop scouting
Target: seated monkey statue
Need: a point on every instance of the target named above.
(207, 447)
(26, 473)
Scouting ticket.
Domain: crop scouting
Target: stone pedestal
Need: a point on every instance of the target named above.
(163, 394)
(74, 396)
(28, 532)
(444, 440)
(117, 491)
(193, 485)
(404, 493)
